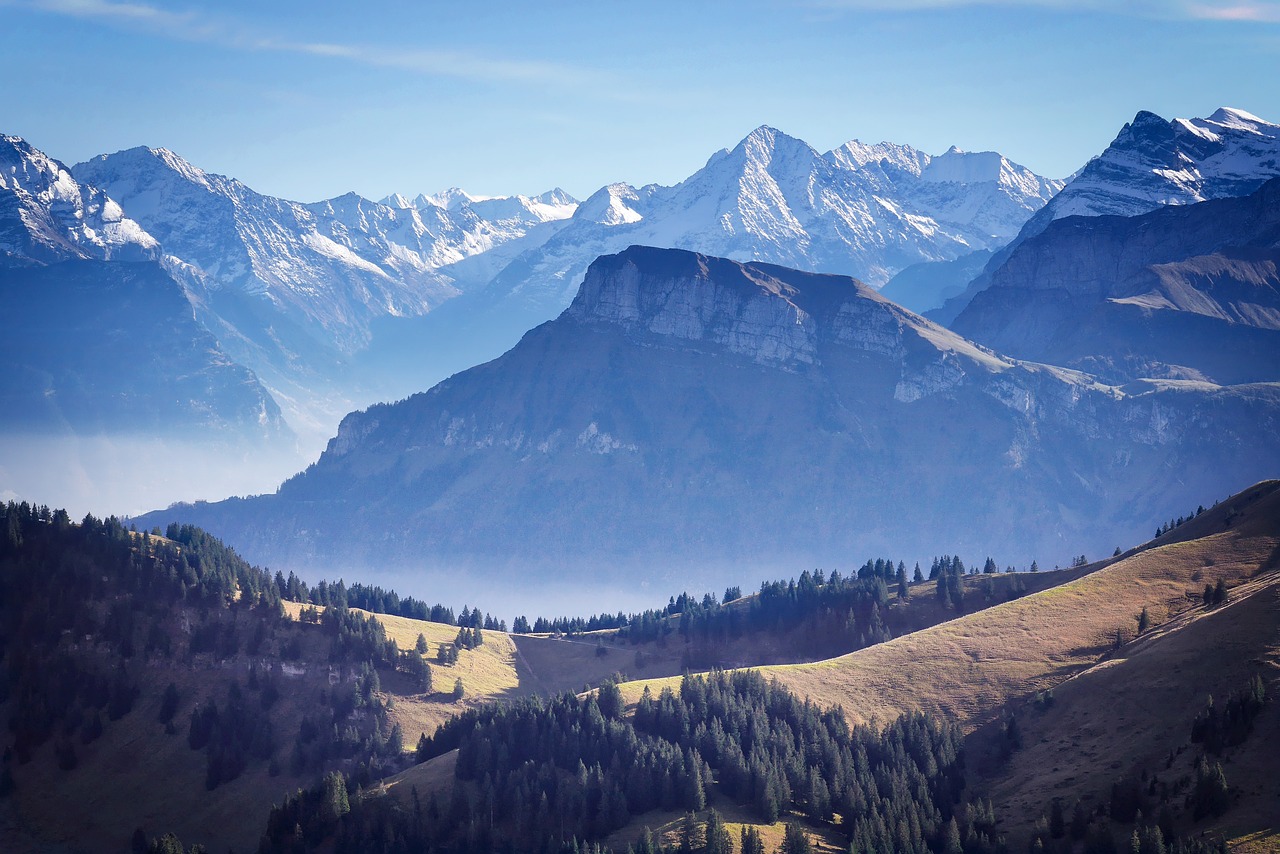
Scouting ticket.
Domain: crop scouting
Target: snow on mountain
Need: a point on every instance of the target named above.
(861, 210)
(1154, 162)
(332, 266)
(48, 216)
(866, 211)
(497, 210)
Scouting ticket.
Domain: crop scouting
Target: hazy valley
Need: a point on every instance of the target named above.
(863, 500)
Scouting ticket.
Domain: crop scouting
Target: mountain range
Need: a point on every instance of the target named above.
(689, 415)
(73, 267)
(1185, 292)
(861, 210)
(320, 308)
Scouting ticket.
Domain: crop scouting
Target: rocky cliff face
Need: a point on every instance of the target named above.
(47, 216)
(689, 414)
(1184, 292)
(1153, 163)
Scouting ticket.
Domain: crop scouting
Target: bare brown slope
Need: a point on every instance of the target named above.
(1127, 715)
(969, 668)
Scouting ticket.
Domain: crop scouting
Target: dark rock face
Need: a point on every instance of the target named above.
(1188, 292)
(95, 348)
(1152, 163)
(689, 411)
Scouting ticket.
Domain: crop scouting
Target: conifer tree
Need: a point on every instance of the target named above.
(716, 836)
(794, 841)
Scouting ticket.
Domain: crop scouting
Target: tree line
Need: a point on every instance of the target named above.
(562, 774)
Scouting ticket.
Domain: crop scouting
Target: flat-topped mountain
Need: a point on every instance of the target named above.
(689, 412)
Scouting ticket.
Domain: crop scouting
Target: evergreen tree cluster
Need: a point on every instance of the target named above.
(561, 774)
(231, 735)
(86, 609)
(353, 727)
(80, 602)
(1218, 729)
(1215, 594)
(836, 611)
(948, 573)
(1178, 523)
(469, 638)
(824, 613)
(779, 753)
(378, 600)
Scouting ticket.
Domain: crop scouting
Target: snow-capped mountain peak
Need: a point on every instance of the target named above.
(855, 154)
(58, 217)
(556, 196)
(334, 265)
(765, 143)
(451, 199)
(614, 204)
(1237, 118)
(1154, 162)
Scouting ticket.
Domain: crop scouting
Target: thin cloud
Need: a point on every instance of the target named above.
(441, 63)
(1254, 11)
(1258, 12)
(195, 27)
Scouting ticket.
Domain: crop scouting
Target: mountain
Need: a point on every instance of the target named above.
(1186, 291)
(98, 338)
(294, 290)
(688, 414)
(72, 328)
(328, 267)
(109, 383)
(861, 210)
(927, 285)
(48, 216)
(1152, 163)
(1095, 702)
(498, 211)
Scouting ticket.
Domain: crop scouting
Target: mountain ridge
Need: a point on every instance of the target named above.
(1152, 163)
(1184, 291)
(693, 387)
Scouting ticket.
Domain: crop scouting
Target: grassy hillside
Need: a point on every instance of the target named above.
(1123, 703)
(1133, 714)
(969, 668)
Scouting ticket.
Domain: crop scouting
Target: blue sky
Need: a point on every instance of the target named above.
(308, 100)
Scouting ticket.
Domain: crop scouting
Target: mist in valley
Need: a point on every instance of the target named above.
(129, 475)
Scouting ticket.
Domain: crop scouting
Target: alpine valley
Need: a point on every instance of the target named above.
(864, 501)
